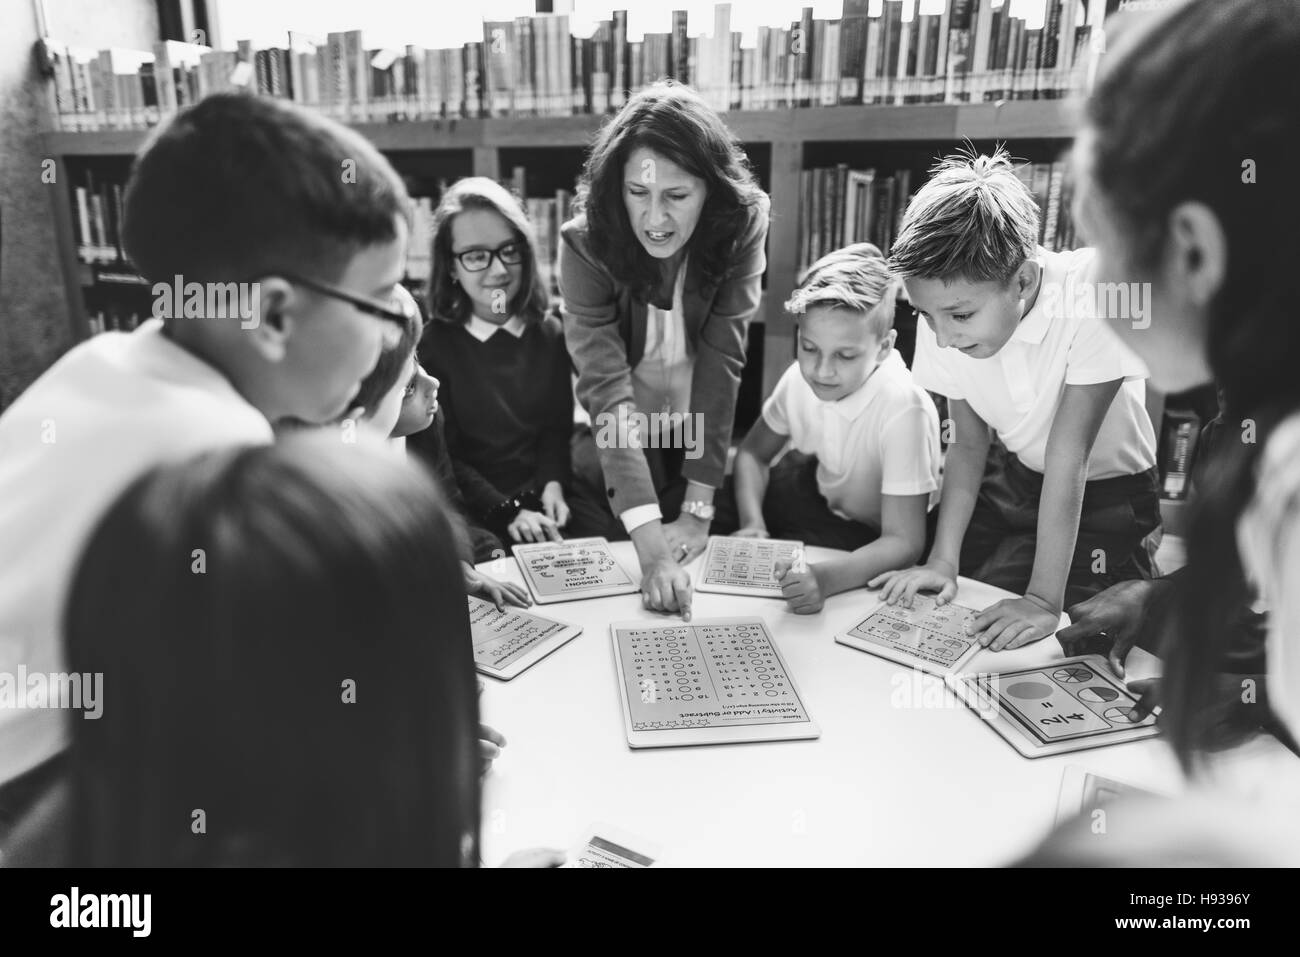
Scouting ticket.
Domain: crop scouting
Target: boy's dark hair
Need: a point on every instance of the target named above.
(326, 563)
(383, 377)
(1183, 99)
(240, 186)
(675, 122)
(447, 300)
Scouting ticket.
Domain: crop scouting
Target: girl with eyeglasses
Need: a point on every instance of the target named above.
(506, 392)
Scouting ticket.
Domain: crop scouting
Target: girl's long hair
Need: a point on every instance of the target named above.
(1178, 110)
(287, 667)
(673, 121)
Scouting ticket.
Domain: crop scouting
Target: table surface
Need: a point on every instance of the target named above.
(886, 784)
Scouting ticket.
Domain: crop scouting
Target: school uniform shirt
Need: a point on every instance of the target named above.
(111, 409)
(507, 396)
(881, 440)
(1059, 342)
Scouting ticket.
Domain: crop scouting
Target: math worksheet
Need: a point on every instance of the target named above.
(709, 681)
(1069, 705)
(745, 566)
(567, 571)
(928, 636)
(510, 641)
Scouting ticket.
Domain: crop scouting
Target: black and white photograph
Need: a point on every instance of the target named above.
(753, 435)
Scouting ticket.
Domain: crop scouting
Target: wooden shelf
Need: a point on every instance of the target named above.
(786, 131)
(1039, 119)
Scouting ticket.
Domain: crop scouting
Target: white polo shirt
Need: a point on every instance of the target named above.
(109, 410)
(882, 439)
(1059, 342)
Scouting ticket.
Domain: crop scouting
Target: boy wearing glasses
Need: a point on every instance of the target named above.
(237, 189)
(506, 391)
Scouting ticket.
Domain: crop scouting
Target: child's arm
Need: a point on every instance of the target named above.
(1018, 621)
(901, 542)
(962, 472)
(753, 459)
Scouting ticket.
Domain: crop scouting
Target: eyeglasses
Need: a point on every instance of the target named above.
(476, 260)
(399, 308)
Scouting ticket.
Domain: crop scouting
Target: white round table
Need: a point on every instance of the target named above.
(902, 775)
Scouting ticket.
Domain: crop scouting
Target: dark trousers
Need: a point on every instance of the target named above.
(590, 513)
(1115, 524)
(794, 508)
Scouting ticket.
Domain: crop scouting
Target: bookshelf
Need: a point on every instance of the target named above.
(781, 144)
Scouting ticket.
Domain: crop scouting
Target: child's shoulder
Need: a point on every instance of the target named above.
(140, 382)
(900, 392)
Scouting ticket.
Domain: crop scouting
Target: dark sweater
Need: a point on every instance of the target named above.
(509, 408)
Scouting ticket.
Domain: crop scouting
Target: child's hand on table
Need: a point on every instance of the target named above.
(489, 589)
(1116, 613)
(553, 504)
(800, 585)
(1014, 622)
(530, 526)
(536, 857)
(750, 531)
(902, 586)
(490, 743)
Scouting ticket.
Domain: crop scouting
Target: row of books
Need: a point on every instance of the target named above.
(547, 214)
(1053, 189)
(839, 206)
(974, 51)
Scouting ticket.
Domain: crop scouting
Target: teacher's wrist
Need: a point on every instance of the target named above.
(651, 543)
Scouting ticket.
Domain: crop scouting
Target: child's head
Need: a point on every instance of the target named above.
(1191, 111)
(290, 205)
(303, 674)
(964, 252)
(381, 398)
(663, 176)
(484, 256)
(419, 401)
(844, 308)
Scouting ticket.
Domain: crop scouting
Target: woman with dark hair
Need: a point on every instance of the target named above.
(1187, 182)
(288, 668)
(507, 393)
(660, 273)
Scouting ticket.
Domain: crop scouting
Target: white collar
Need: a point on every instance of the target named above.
(482, 330)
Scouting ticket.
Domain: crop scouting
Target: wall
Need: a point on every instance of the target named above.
(34, 325)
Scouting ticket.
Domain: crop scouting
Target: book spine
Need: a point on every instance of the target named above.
(1053, 199)
(618, 60)
(679, 67)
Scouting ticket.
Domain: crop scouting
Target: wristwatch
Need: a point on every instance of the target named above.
(701, 510)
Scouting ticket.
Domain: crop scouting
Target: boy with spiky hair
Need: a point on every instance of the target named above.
(1069, 492)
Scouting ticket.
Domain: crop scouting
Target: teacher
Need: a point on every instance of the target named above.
(660, 272)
